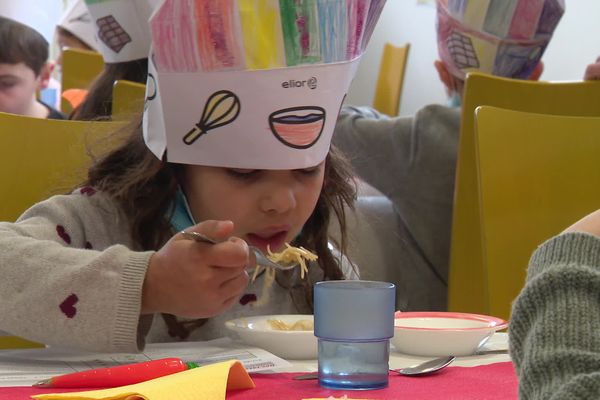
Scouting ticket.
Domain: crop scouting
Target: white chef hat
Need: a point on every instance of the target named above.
(252, 84)
(121, 28)
(77, 20)
(503, 38)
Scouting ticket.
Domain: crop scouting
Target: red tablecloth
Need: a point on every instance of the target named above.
(486, 382)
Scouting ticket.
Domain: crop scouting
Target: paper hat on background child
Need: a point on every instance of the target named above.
(121, 28)
(36, 14)
(500, 37)
(77, 20)
(252, 84)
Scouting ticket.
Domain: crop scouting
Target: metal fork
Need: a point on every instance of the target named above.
(261, 258)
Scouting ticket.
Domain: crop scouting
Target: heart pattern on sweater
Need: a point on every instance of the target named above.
(62, 232)
(87, 190)
(68, 305)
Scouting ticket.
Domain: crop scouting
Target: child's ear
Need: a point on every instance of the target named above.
(45, 75)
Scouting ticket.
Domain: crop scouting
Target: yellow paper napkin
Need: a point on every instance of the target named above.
(209, 382)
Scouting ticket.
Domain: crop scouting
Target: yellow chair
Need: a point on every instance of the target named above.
(79, 69)
(538, 174)
(8, 342)
(39, 158)
(42, 157)
(390, 79)
(128, 99)
(465, 287)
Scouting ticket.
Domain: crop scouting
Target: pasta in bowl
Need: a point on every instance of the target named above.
(288, 336)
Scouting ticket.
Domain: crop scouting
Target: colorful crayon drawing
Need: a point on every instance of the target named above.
(173, 38)
(357, 17)
(261, 29)
(218, 31)
(300, 26)
(333, 31)
(516, 60)
(375, 10)
(221, 108)
(298, 127)
(221, 35)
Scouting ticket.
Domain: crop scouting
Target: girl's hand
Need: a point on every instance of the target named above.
(588, 224)
(592, 71)
(197, 280)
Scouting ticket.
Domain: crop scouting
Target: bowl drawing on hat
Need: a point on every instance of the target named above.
(298, 127)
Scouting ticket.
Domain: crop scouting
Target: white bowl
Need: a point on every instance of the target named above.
(443, 333)
(295, 345)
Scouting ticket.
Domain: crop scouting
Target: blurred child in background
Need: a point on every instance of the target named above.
(124, 46)
(75, 30)
(420, 151)
(25, 34)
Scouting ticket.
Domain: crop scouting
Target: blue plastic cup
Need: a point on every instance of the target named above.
(354, 321)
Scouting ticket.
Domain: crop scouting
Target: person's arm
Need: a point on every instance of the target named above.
(411, 160)
(66, 282)
(555, 323)
(372, 141)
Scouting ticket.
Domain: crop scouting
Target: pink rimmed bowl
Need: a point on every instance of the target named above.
(443, 333)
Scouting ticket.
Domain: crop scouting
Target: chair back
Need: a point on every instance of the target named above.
(79, 69)
(466, 276)
(535, 174)
(42, 157)
(128, 99)
(9, 342)
(390, 79)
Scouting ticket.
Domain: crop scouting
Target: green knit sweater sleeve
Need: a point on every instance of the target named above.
(555, 324)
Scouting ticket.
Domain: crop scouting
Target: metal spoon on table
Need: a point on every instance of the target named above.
(426, 368)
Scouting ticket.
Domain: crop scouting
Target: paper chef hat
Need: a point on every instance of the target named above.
(252, 84)
(39, 15)
(78, 21)
(121, 28)
(500, 37)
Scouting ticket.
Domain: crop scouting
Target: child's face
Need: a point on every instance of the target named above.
(18, 86)
(267, 207)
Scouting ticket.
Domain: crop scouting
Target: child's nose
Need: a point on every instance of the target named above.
(279, 199)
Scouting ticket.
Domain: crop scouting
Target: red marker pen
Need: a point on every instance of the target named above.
(120, 375)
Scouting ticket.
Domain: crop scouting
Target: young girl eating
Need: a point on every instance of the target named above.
(234, 144)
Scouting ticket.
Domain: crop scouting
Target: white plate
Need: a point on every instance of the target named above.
(295, 345)
(443, 333)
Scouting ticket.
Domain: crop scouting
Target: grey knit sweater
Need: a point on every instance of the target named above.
(555, 325)
(70, 277)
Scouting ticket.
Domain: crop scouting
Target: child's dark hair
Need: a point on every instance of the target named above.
(68, 34)
(145, 187)
(98, 102)
(22, 44)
